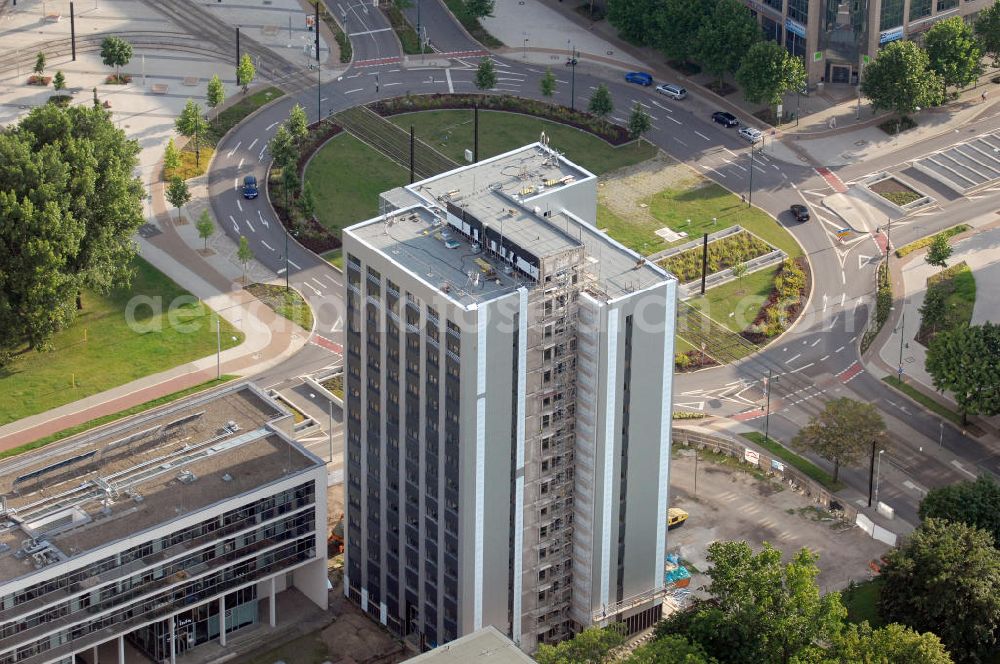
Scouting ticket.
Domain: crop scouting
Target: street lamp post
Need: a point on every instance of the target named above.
(524, 49)
(878, 470)
(871, 474)
(902, 338)
(572, 77)
(767, 407)
(286, 259)
(750, 197)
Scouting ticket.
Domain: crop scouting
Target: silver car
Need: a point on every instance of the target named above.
(752, 135)
(672, 90)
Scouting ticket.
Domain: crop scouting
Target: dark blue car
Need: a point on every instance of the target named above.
(249, 187)
(640, 77)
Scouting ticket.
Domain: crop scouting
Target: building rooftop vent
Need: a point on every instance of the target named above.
(227, 478)
(186, 477)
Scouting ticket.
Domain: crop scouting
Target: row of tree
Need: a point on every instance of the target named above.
(905, 77)
(760, 610)
(721, 35)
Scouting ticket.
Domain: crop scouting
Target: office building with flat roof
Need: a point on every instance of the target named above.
(508, 390)
(168, 530)
(836, 38)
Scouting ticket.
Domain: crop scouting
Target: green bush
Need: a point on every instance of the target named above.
(722, 255)
(60, 100)
(883, 304)
(948, 233)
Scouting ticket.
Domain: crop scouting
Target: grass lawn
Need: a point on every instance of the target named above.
(924, 400)
(802, 464)
(335, 257)
(450, 132)
(86, 426)
(926, 242)
(700, 203)
(100, 350)
(742, 297)
(347, 177)
(861, 600)
(286, 303)
(188, 169)
(959, 287)
(335, 384)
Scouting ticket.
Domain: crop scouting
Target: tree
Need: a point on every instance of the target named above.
(945, 578)
(975, 503)
(638, 123)
(171, 157)
(763, 611)
(59, 82)
(966, 362)
(632, 19)
(678, 23)
(890, 644)
(479, 8)
(486, 75)
(934, 310)
(601, 105)
(769, 71)
(307, 201)
(939, 251)
(548, 83)
(178, 194)
(40, 63)
(671, 649)
(900, 79)
(842, 432)
(70, 207)
(290, 183)
(987, 28)
(216, 93)
(298, 125)
(191, 123)
(116, 52)
(590, 646)
(726, 36)
(283, 148)
(205, 226)
(245, 72)
(954, 53)
(244, 254)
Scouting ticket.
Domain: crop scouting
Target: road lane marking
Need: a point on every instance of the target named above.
(824, 358)
(804, 366)
(263, 220)
(260, 157)
(321, 284)
(447, 75)
(235, 225)
(250, 147)
(306, 283)
(680, 141)
(239, 205)
(271, 126)
(240, 165)
(674, 121)
(293, 264)
(702, 135)
(656, 104)
(793, 358)
(252, 230)
(351, 92)
(960, 467)
(368, 32)
(839, 349)
(233, 151)
(267, 245)
(813, 344)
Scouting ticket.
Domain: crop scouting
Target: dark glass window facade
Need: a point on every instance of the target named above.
(798, 10)
(892, 14)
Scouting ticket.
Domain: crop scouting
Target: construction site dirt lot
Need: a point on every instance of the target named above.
(732, 503)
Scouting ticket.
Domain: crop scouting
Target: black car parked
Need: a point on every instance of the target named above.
(725, 119)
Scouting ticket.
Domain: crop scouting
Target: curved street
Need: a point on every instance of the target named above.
(816, 360)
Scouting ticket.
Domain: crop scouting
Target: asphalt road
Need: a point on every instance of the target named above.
(816, 361)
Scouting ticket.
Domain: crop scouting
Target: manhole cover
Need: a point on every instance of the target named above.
(860, 143)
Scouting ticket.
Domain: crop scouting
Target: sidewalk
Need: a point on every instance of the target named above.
(896, 344)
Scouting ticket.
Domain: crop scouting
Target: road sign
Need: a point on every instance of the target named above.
(777, 465)
(752, 456)
(900, 370)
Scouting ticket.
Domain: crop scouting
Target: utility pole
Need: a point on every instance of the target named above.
(878, 471)
(319, 91)
(72, 29)
(704, 262)
(572, 80)
(286, 259)
(902, 338)
(218, 351)
(330, 406)
(475, 131)
(871, 475)
(750, 197)
(316, 26)
(411, 154)
(767, 407)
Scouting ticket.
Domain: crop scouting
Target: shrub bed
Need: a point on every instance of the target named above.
(408, 37)
(118, 79)
(60, 100)
(899, 125)
(883, 304)
(342, 41)
(692, 360)
(955, 288)
(35, 79)
(948, 233)
(895, 191)
(612, 133)
(783, 305)
(722, 255)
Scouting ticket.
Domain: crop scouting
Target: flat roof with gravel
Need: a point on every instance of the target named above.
(94, 489)
(484, 646)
